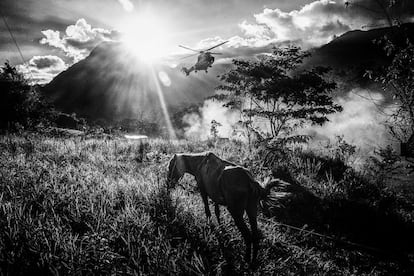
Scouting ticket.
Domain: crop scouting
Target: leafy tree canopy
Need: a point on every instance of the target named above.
(273, 91)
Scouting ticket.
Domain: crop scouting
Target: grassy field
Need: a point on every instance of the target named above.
(87, 206)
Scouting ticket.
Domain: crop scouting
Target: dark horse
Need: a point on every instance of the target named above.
(226, 184)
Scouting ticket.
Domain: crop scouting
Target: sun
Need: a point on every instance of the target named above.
(146, 36)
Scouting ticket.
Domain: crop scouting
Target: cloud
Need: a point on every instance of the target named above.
(47, 62)
(209, 42)
(78, 40)
(255, 30)
(234, 42)
(127, 5)
(42, 69)
(314, 23)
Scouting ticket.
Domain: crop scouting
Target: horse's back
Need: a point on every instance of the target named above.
(233, 174)
(237, 179)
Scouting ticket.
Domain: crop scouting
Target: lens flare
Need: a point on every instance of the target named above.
(164, 78)
(160, 94)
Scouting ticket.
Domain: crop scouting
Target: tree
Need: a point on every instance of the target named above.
(397, 80)
(20, 103)
(274, 97)
(213, 129)
(397, 77)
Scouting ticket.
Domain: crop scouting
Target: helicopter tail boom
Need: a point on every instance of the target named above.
(187, 71)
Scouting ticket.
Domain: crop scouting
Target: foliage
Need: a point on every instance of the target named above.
(397, 77)
(384, 165)
(397, 80)
(213, 129)
(21, 105)
(272, 91)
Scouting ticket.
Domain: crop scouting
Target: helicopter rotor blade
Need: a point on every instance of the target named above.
(188, 56)
(216, 46)
(216, 53)
(188, 48)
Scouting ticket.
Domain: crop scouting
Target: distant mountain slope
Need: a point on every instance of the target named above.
(356, 50)
(112, 84)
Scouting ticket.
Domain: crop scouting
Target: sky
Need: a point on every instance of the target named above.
(54, 34)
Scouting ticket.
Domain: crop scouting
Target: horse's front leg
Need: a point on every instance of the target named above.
(217, 211)
(252, 215)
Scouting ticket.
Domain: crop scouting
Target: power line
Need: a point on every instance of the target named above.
(13, 38)
(16, 44)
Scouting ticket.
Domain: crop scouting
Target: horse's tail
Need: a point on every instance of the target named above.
(267, 201)
(263, 194)
(265, 191)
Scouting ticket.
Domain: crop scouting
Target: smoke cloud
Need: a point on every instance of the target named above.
(360, 123)
(199, 126)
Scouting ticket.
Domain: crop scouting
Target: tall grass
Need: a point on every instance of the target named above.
(86, 206)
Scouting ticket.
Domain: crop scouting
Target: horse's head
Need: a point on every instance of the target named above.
(175, 171)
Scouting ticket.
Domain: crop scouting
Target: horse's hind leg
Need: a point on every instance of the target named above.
(237, 215)
(252, 215)
(217, 211)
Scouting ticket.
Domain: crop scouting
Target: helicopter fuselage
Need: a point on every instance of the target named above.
(205, 60)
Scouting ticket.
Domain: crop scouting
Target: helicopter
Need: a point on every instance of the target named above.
(204, 61)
